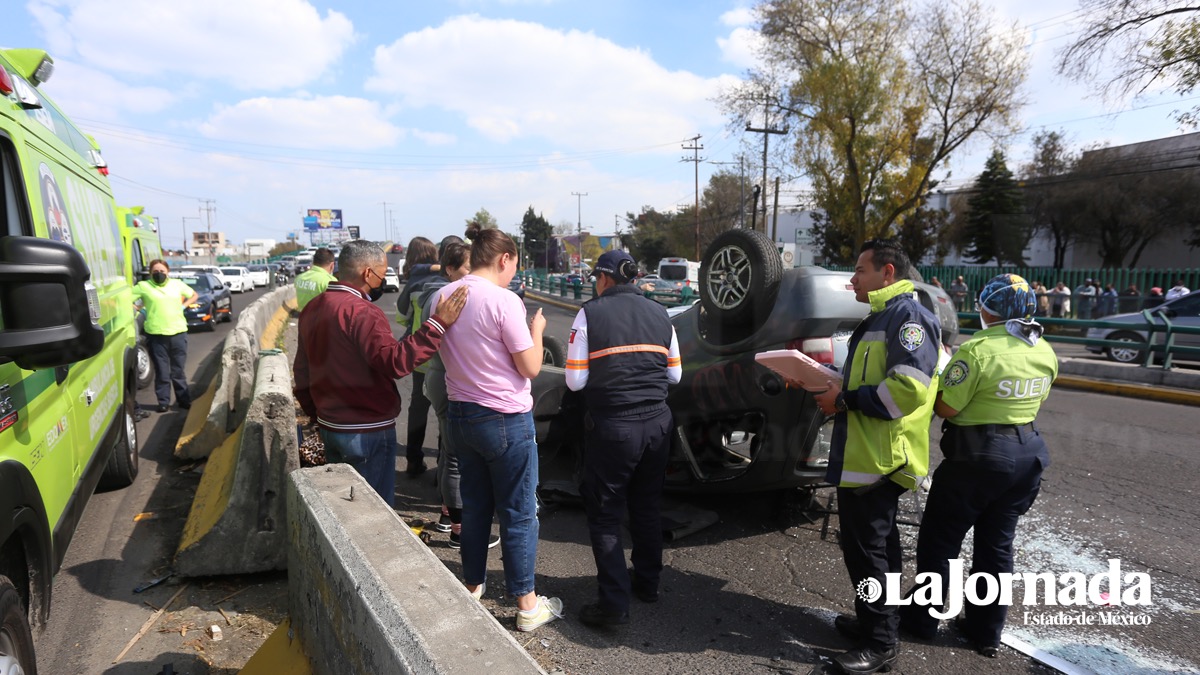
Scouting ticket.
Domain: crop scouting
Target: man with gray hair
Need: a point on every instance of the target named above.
(347, 361)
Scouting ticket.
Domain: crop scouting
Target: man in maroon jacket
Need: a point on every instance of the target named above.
(347, 362)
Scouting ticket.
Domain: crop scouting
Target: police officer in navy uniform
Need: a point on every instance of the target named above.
(623, 354)
(989, 395)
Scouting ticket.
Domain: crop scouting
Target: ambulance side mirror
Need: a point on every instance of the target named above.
(49, 311)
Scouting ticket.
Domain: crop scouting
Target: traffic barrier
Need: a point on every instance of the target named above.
(221, 409)
(236, 524)
(365, 595)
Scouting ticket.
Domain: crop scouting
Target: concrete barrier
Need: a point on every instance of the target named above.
(221, 409)
(236, 524)
(366, 596)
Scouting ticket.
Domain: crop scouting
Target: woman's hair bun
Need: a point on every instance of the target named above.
(473, 229)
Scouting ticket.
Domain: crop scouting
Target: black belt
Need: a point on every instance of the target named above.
(1014, 429)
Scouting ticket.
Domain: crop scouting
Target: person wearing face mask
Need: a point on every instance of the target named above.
(347, 361)
(166, 332)
(994, 454)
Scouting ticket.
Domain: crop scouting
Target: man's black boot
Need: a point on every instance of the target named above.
(597, 616)
(867, 660)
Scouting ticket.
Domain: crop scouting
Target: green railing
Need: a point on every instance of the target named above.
(578, 290)
(1074, 331)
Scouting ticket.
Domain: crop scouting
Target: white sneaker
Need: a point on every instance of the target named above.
(547, 610)
(478, 592)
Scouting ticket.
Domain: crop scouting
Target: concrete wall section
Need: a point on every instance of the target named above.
(237, 521)
(366, 596)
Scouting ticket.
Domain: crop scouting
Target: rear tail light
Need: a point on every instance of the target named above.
(6, 83)
(817, 349)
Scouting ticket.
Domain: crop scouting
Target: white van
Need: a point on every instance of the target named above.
(679, 270)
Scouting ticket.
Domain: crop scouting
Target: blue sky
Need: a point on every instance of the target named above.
(440, 108)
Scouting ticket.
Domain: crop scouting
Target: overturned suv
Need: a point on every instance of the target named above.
(738, 427)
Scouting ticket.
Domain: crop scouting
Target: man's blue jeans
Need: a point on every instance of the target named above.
(497, 457)
(372, 454)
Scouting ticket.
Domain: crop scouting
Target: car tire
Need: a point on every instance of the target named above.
(16, 638)
(554, 352)
(740, 277)
(145, 366)
(122, 466)
(1130, 354)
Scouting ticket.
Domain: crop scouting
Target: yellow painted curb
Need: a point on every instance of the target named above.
(281, 653)
(277, 325)
(551, 301)
(212, 495)
(1140, 391)
(198, 415)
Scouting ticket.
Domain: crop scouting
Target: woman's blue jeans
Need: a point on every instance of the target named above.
(497, 457)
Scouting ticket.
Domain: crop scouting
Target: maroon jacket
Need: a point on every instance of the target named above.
(347, 361)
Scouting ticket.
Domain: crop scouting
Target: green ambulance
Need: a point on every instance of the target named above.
(141, 246)
(67, 345)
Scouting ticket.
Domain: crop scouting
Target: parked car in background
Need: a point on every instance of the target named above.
(1183, 311)
(206, 269)
(660, 290)
(259, 274)
(214, 302)
(738, 428)
(391, 281)
(238, 279)
(517, 285)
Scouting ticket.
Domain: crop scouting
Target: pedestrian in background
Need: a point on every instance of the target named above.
(1060, 301)
(959, 292)
(1154, 299)
(1108, 302)
(455, 264)
(623, 353)
(313, 281)
(420, 256)
(490, 356)
(347, 362)
(1043, 302)
(1130, 299)
(1177, 291)
(880, 443)
(164, 298)
(1085, 299)
(989, 395)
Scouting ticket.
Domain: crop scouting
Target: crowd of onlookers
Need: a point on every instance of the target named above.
(1089, 300)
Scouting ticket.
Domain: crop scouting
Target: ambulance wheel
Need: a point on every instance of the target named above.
(554, 352)
(122, 466)
(145, 367)
(16, 639)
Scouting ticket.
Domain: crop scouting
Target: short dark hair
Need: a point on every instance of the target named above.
(454, 255)
(888, 252)
(322, 257)
(356, 255)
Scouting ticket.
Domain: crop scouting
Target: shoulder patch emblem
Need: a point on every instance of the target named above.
(912, 335)
(572, 338)
(956, 373)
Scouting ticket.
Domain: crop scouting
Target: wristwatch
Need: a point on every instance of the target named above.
(840, 402)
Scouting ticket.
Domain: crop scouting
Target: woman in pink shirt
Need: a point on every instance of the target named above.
(490, 355)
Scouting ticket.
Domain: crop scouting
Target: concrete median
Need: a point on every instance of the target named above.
(367, 596)
(236, 524)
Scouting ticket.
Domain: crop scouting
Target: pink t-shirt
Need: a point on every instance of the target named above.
(478, 348)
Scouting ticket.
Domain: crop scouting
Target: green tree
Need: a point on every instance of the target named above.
(652, 236)
(1052, 199)
(997, 226)
(284, 247)
(920, 231)
(1128, 47)
(487, 220)
(879, 96)
(536, 233)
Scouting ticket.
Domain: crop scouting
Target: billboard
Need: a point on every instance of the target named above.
(323, 219)
(353, 229)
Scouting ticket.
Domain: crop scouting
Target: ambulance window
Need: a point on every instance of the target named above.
(12, 215)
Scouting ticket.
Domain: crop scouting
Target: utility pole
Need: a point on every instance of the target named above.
(210, 205)
(579, 216)
(392, 224)
(184, 219)
(387, 230)
(766, 131)
(696, 159)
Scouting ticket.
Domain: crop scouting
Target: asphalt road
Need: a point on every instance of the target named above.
(754, 592)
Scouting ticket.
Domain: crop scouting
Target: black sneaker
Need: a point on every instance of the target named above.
(140, 414)
(642, 592)
(415, 468)
(162, 407)
(443, 523)
(596, 616)
(456, 541)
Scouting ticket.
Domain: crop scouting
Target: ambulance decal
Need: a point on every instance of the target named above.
(56, 210)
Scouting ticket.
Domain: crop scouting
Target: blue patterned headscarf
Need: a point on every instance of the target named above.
(1008, 296)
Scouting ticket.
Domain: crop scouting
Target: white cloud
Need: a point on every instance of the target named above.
(247, 44)
(737, 18)
(91, 94)
(434, 137)
(336, 122)
(740, 47)
(515, 80)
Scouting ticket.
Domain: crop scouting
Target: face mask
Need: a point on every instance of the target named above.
(376, 292)
(159, 278)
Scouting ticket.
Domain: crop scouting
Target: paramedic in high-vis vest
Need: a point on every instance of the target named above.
(880, 445)
(989, 395)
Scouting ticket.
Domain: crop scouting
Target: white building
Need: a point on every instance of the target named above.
(258, 248)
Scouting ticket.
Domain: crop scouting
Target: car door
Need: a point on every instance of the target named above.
(1186, 312)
